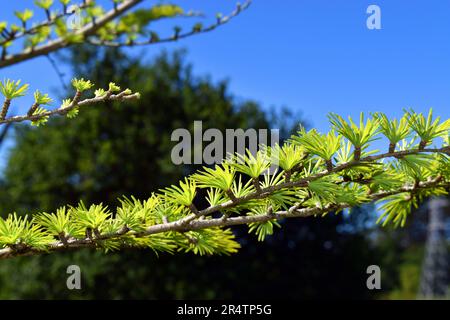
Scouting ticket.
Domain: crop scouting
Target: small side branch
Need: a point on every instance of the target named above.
(74, 104)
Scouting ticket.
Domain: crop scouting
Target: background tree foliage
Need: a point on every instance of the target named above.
(112, 150)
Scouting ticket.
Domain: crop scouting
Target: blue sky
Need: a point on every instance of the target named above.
(313, 56)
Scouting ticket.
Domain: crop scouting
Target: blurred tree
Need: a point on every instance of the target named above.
(112, 151)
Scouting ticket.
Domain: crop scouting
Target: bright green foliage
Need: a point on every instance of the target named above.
(112, 87)
(240, 189)
(100, 92)
(95, 11)
(82, 85)
(25, 15)
(42, 120)
(3, 25)
(20, 232)
(121, 24)
(66, 103)
(181, 195)
(262, 230)
(250, 165)
(71, 146)
(211, 241)
(12, 89)
(44, 4)
(288, 156)
(70, 107)
(398, 207)
(169, 221)
(136, 21)
(221, 177)
(215, 197)
(395, 130)
(72, 113)
(94, 218)
(325, 190)
(383, 180)
(62, 31)
(322, 145)
(344, 154)
(280, 198)
(135, 214)
(360, 135)
(318, 172)
(39, 37)
(41, 99)
(57, 224)
(426, 128)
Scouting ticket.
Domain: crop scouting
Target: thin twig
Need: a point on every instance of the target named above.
(75, 104)
(57, 71)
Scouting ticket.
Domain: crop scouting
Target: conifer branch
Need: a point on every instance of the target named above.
(181, 226)
(70, 107)
(169, 220)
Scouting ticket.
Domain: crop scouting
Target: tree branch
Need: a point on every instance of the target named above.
(192, 222)
(46, 23)
(175, 37)
(60, 43)
(75, 104)
(91, 29)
